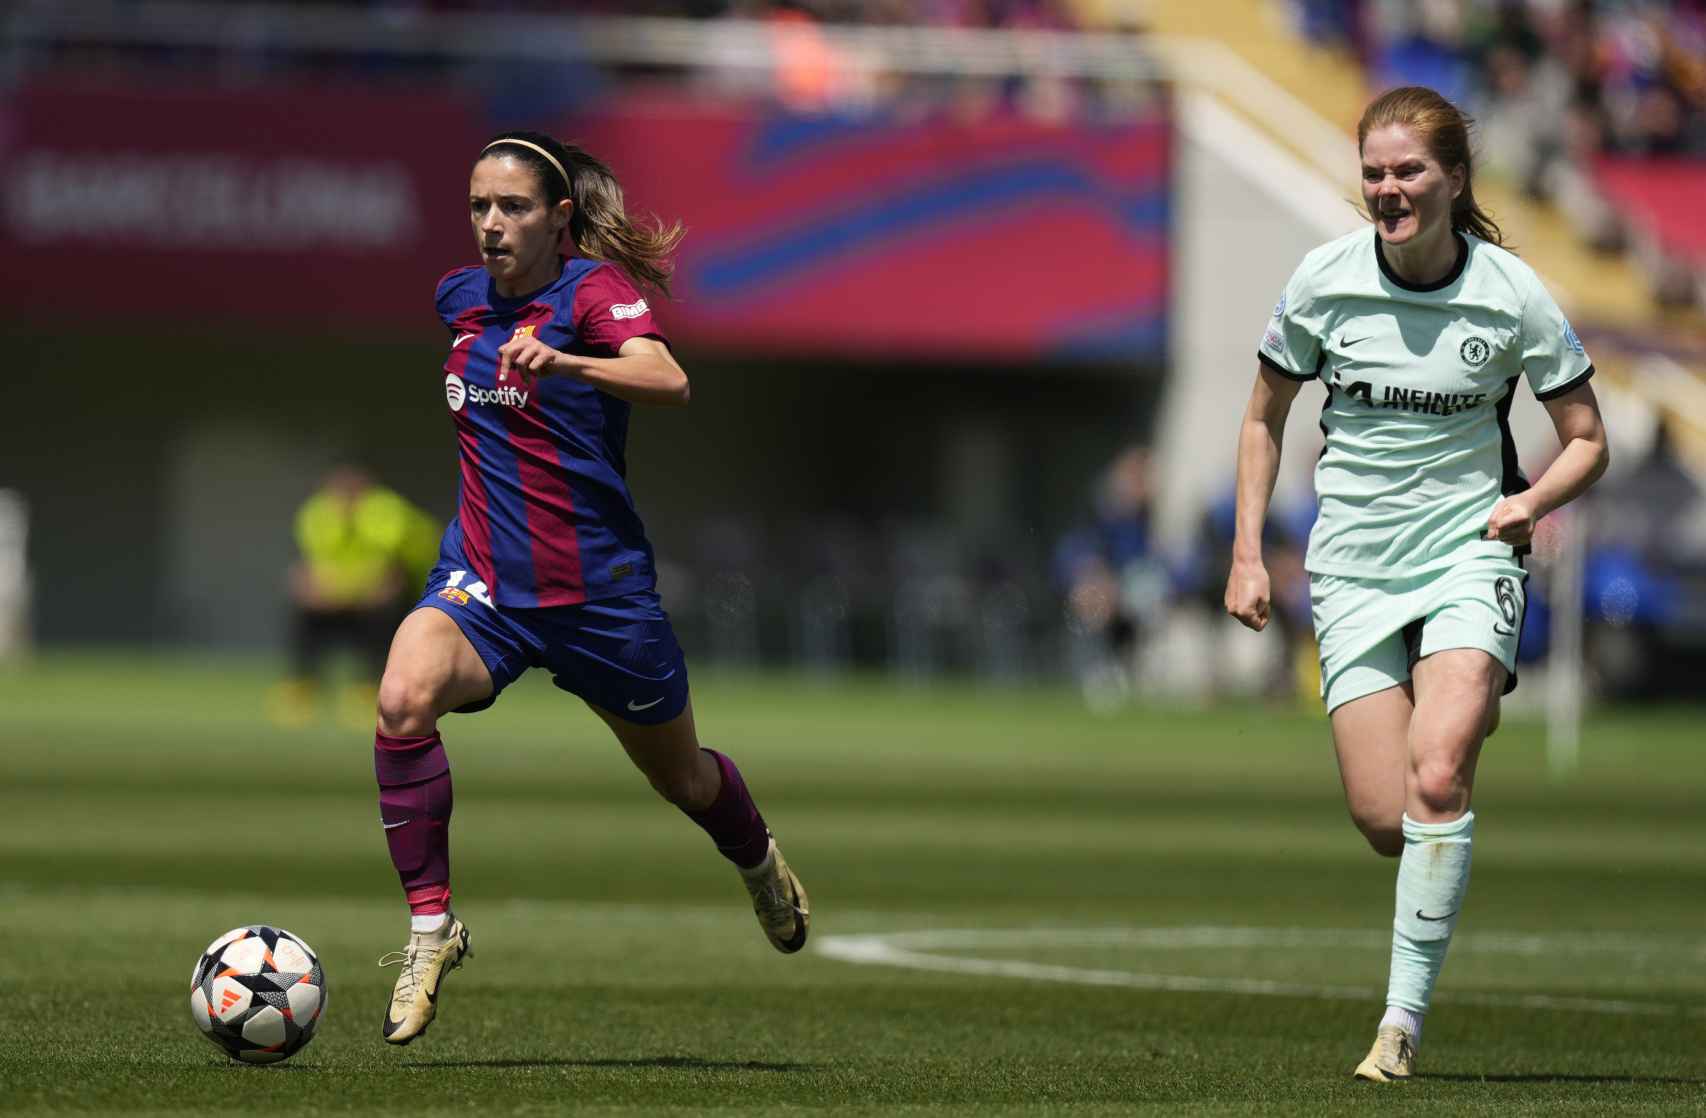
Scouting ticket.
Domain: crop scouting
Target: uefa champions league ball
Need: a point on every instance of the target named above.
(258, 993)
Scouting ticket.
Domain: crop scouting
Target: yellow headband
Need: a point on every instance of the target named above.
(549, 158)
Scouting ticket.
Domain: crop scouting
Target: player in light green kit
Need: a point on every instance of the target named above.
(1420, 333)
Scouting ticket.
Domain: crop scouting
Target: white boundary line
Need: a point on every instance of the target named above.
(924, 950)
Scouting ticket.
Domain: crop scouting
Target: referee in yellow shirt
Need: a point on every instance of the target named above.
(362, 549)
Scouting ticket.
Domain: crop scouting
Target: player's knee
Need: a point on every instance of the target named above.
(406, 707)
(685, 784)
(1440, 787)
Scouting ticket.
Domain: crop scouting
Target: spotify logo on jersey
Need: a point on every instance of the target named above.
(458, 392)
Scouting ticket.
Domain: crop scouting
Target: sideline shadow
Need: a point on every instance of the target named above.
(673, 1063)
(1543, 1077)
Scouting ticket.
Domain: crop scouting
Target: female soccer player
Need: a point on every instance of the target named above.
(1420, 332)
(546, 563)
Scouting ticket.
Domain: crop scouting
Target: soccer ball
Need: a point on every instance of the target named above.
(258, 993)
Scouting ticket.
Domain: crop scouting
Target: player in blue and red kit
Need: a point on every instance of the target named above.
(546, 563)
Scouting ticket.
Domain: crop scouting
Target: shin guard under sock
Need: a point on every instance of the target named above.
(1433, 876)
(732, 820)
(414, 807)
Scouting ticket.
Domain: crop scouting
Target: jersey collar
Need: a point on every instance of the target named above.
(1445, 281)
(511, 302)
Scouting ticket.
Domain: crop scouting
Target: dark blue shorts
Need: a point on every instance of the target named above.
(619, 654)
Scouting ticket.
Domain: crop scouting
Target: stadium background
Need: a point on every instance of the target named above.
(969, 301)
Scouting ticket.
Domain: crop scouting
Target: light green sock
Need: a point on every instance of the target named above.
(1433, 875)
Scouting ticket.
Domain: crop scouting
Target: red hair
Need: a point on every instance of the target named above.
(1444, 128)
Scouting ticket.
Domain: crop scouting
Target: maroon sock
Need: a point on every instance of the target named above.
(414, 806)
(732, 820)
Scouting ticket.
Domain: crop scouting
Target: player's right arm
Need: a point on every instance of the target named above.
(1260, 438)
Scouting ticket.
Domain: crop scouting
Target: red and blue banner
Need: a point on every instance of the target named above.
(1000, 239)
(1003, 238)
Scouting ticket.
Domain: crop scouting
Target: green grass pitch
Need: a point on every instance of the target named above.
(1020, 908)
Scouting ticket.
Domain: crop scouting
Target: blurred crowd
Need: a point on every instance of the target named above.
(1587, 76)
(1044, 14)
(1584, 103)
(814, 72)
(804, 62)
(1053, 14)
(1142, 620)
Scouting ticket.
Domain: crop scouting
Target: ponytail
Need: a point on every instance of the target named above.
(601, 229)
(599, 226)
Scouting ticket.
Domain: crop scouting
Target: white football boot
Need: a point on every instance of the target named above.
(1393, 1057)
(425, 962)
(779, 901)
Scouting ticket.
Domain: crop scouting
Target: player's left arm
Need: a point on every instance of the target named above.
(1581, 433)
(643, 371)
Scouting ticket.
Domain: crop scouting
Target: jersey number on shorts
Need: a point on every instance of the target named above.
(1504, 590)
(476, 589)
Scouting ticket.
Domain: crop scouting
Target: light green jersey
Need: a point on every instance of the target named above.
(1419, 388)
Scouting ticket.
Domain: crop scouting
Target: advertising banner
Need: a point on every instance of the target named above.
(290, 208)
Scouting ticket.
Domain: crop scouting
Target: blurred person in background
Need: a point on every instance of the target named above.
(1644, 582)
(1420, 333)
(361, 549)
(546, 563)
(1115, 585)
(1295, 672)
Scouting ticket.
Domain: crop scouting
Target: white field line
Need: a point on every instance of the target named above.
(926, 951)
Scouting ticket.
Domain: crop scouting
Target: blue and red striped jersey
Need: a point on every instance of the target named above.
(544, 514)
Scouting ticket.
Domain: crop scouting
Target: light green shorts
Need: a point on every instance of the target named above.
(1372, 631)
